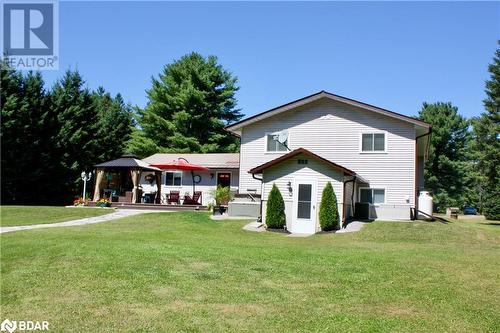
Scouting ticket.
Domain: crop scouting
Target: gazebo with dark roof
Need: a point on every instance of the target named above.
(121, 166)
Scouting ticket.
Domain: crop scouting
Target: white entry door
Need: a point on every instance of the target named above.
(304, 207)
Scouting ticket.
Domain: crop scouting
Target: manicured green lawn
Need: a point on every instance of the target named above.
(167, 272)
(25, 215)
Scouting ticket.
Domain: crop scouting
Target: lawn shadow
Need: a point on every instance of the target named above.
(497, 223)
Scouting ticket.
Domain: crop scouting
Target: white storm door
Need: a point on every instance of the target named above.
(304, 207)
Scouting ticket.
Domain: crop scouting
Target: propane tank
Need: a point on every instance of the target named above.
(425, 204)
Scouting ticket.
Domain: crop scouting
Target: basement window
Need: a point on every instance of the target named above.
(372, 195)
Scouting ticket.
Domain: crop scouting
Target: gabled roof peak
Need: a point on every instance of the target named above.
(314, 97)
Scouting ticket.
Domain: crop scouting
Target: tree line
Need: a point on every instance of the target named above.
(50, 136)
(463, 168)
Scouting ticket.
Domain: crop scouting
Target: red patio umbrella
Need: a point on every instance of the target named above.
(181, 164)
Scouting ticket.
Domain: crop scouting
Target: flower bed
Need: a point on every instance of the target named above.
(103, 203)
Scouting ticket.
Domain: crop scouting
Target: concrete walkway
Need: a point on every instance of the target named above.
(89, 220)
(352, 227)
(226, 217)
(254, 226)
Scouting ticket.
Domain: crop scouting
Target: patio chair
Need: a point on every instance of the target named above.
(194, 200)
(174, 197)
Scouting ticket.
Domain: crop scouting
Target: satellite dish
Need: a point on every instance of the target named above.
(282, 137)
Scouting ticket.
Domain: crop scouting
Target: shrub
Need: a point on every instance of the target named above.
(221, 195)
(328, 210)
(275, 210)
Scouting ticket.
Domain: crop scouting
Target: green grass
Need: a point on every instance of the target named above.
(25, 215)
(167, 272)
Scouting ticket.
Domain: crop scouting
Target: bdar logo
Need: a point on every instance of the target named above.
(9, 326)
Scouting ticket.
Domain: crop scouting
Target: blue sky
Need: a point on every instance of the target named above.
(394, 55)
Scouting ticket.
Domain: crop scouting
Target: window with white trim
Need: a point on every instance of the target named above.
(273, 145)
(373, 142)
(173, 178)
(372, 195)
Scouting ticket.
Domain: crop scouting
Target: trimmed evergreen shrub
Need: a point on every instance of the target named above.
(328, 210)
(275, 210)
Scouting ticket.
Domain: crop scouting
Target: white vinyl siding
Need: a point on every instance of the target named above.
(284, 174)
(333, 130)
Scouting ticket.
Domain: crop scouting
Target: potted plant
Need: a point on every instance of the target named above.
(221, 195)
(80, 202)
(103, 203)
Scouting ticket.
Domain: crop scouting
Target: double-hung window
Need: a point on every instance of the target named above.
(173, 178)
(273, 145)
(373, 142)
(372, 195)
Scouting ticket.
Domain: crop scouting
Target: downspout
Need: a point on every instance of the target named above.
(344, 222)
(261, 180)
(415, 202)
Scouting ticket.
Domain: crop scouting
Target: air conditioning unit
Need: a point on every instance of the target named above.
(362, 210)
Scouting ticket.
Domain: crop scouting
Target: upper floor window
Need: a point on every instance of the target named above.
(272, 143)
(173, 178)
(372, 195)
(373, 142)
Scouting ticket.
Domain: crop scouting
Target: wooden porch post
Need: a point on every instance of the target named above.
(98, 181)
(136, 176)
(158, 187)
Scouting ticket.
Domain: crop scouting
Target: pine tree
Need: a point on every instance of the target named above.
(27, 139)
(13, 124)
(275, 209)
(189, 105)
(76, 140)
(114, 127)
(446, 169)
(487, 142)
(328, 210)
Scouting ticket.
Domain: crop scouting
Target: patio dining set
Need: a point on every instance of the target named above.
(174, 198)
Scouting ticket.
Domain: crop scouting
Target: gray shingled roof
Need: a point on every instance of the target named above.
(127, 161)
(211, 161)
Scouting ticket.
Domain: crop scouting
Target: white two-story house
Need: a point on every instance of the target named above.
(369, 154)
